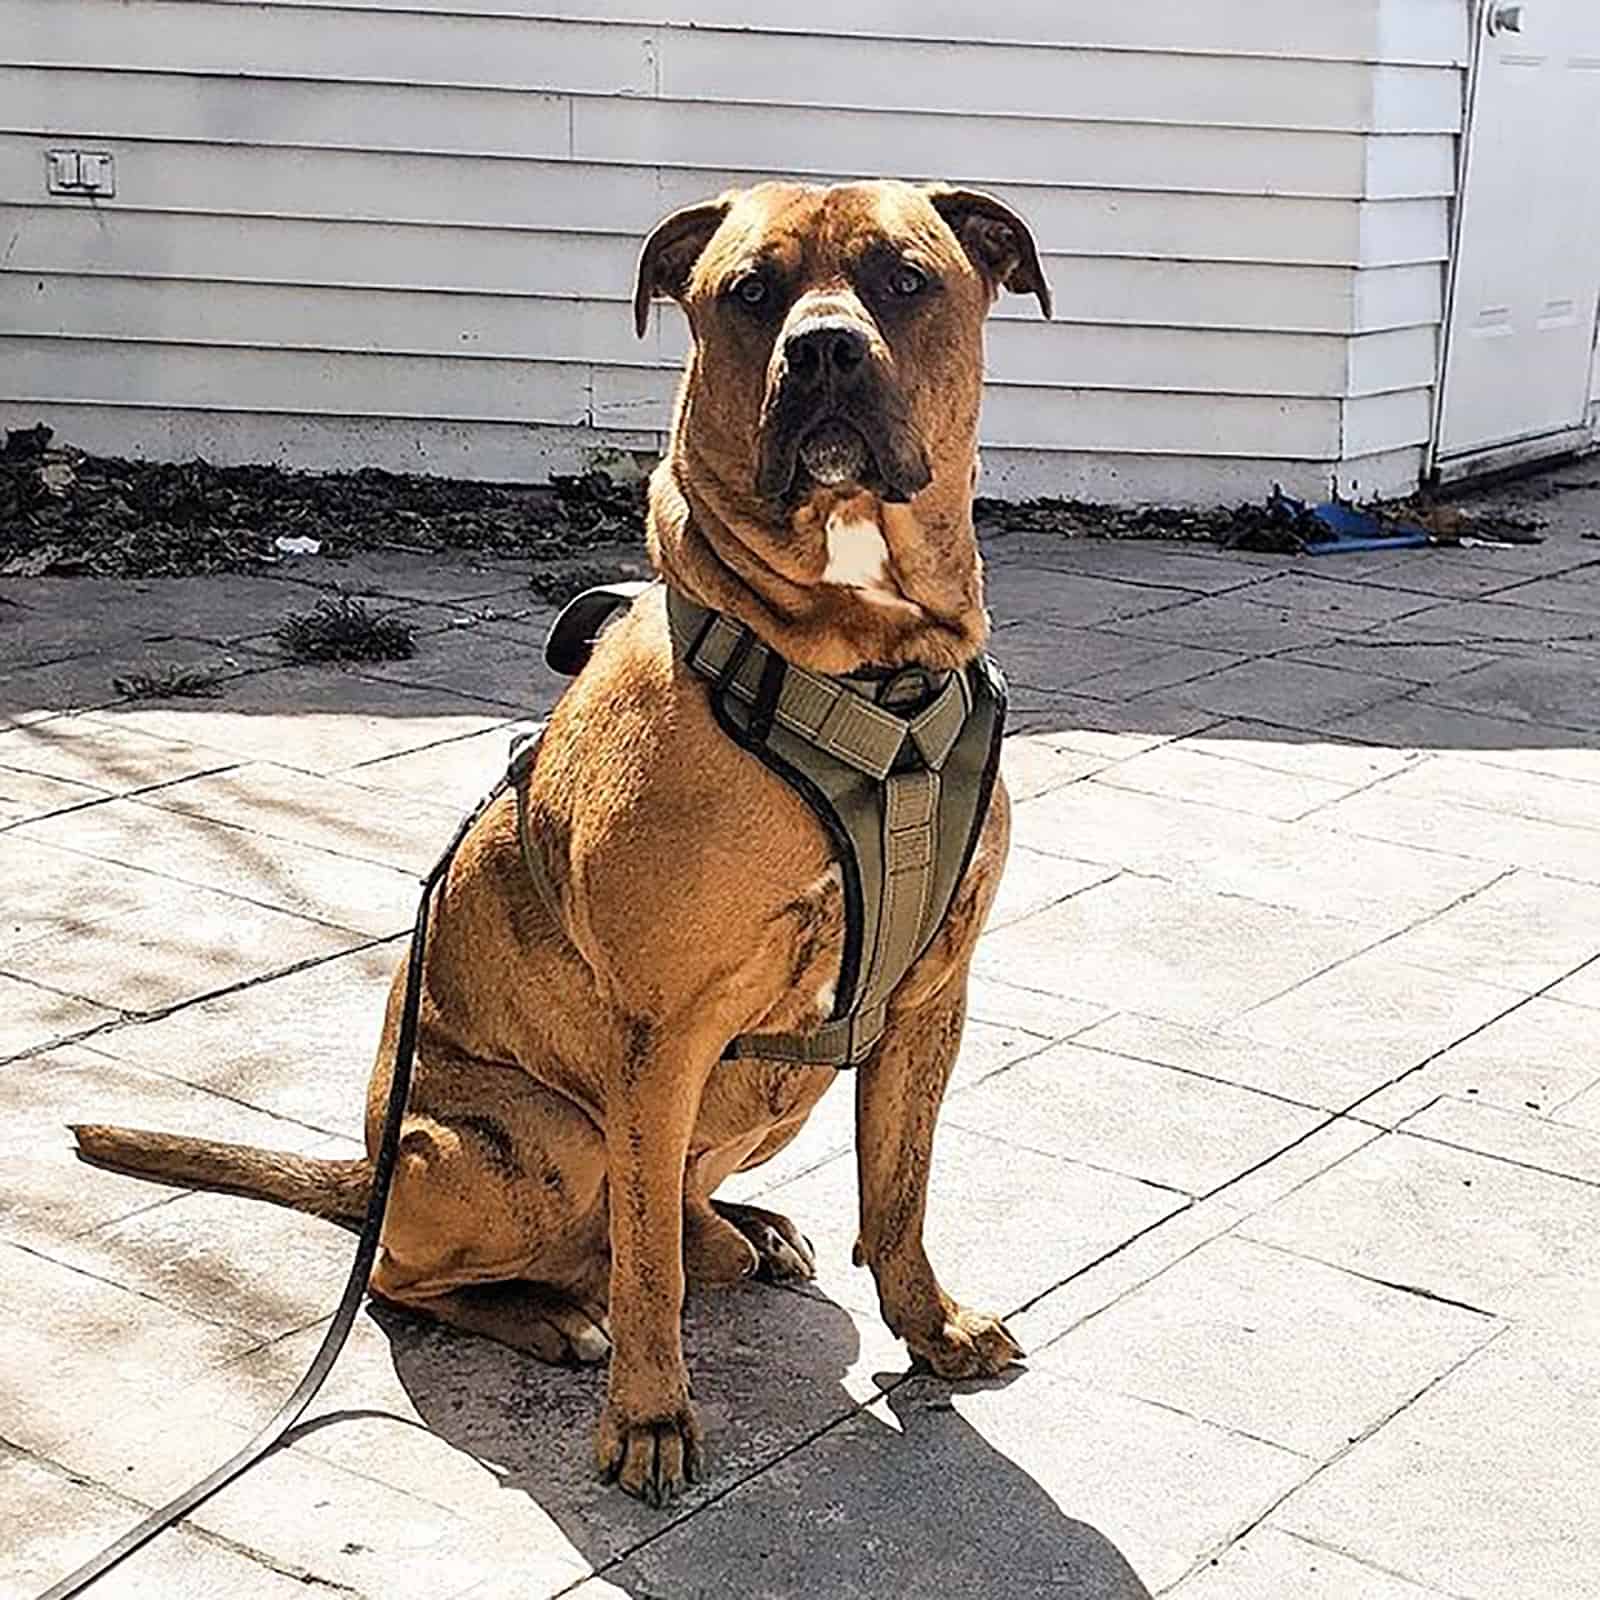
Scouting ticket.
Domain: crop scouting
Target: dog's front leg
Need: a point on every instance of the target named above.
(649, 1438)
(898, 1093)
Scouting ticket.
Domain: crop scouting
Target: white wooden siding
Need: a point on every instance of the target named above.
(405, 232)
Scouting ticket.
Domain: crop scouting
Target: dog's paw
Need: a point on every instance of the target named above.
(971, 1344)
(654, 1460)
(783, 1253)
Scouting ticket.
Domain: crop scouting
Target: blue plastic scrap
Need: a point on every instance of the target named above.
(1351, 529)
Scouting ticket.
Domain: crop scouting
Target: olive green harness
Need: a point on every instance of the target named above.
(897, 768)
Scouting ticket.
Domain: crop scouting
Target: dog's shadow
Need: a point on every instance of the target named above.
(814, 1494)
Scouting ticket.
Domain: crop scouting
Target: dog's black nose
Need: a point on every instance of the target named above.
(827, 353)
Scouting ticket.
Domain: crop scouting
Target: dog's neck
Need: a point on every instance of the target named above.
(853, 583)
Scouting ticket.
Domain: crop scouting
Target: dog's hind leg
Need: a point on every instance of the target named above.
(497, 1219)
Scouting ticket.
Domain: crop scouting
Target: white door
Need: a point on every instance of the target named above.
(1521, 327)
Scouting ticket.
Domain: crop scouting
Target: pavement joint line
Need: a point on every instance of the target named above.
(1073, 1161)
(1111, 874)
(1493, 1155)
(1427, 1586)
(136, 1506)
(432, 744)
(1361, 1438)
(128, 1288)
(102, 798)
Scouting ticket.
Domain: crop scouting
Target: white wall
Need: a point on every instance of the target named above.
(402, 231)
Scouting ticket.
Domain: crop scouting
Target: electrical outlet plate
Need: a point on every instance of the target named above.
(88, 172)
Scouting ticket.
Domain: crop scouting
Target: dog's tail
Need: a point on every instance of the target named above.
(336, 1190)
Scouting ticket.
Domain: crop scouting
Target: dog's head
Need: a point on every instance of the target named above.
(837, 331)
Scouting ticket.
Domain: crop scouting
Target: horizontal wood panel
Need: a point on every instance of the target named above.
(1380, 363)
(475, 192)
(1353, 30)
(226, 379)
(1374, 423)
(384, 256)
(452, 48)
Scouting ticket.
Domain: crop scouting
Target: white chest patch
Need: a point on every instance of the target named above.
(857, 556)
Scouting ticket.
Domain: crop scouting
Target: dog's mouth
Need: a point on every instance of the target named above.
(838, 452)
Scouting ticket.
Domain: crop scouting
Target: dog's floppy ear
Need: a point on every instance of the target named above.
(670, 253)
(998, 240)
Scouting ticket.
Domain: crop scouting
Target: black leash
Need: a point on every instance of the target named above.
(290, 1412)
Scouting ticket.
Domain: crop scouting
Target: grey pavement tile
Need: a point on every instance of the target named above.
(1466, 832)
(1423, 1499)
(1333, 601)
(1557, 689)
(1092, 727)
(1030, 766)
(1199, 567)
(32, 794)
(1203, 774)
(1004, 1226)
(1583, 1109)
(1414, 664)
(300, 1046)
(1488, 622)
(1575, 592)
(1033, 880)
(56, 1520)
(78, 1349)
(1375, 1017)
(1070, 599)
(1582, 988)
(506, 1442)
(451, 577)
(1293, 693)
(1523, 932)
(1268, 1564)
(456, 771)
(1412, 723)
(1446, 1222)
(1536, 1058)
(1050, 1016)
(90, 681)
(52, 891)
(183, 848)
(478, 665)
(1131, 1117)
(1231, 622)
(1046, 655)
(242, 1263)
(1446, 574)
(1515, 1136)
(1570, 800)
(114, 760)
(1270, 1345)
(190, 943)
(1296, 1070)
(49, 1195)
(1134, 943)
(1166, 669)
(1324, 757)
(31, 1017)
(318, 719)
(324, 812)
(966, 1493)
(1382, 884)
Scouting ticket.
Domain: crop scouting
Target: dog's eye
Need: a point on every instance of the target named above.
(751, 290)
(907, 280)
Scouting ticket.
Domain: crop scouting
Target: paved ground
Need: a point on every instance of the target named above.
(1277, 1129)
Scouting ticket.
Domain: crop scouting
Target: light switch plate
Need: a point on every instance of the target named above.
(90, 172)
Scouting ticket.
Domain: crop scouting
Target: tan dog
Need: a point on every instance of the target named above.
(570, 1119)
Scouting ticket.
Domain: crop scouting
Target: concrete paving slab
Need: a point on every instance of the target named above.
(1030, 766)
(1557, 689)
(1420, 1499)
(1202, 774)
(184, 848)
(1130, 1117)
(1417, 665)
(1413, 723)
(1071, 599)
(1271, 1345)
(1050, 655)
(1573, 593)
(31, 794)
(1034, 880)
(968, 1494)
(478, 665)
(1581, 988)
(49, 1195)
(1155, 928)
(1322, 757)
(1231, 622)
(455, 771)
(1333, 601)
(299, 1047)
(78, 1347)
(114, 760)
(1268, 1564)
(1048, 1015)
(1167, 668)
(189, 943)
(91, 681)
(1501, 1238)
(1476, 779)
(32, 1017)
(1515, 1136)
(1536, 1058)
(1292, 693)
(318, 719)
